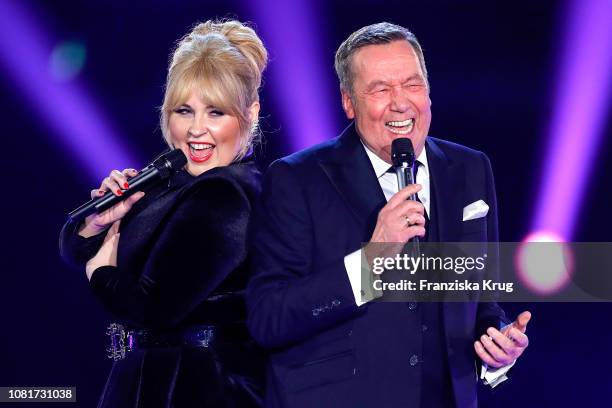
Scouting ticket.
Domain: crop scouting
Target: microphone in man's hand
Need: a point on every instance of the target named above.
(154, 173)
(402, 156)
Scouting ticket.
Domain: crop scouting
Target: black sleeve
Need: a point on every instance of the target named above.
(201, 243)
(287, 299)
(490, 314)
(76, 250)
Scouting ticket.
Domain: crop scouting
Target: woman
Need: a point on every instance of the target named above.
(171, 262)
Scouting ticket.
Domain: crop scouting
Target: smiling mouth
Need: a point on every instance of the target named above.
(200, 152)
(400, 127)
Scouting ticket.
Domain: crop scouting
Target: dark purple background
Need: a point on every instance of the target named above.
(492, 67)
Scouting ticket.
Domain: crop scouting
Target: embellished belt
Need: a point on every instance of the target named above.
(123, 339)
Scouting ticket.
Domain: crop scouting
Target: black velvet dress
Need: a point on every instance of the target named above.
(182, 262)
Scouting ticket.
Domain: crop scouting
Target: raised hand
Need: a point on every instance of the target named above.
(400, 219)
(500, 348)
(115, 182)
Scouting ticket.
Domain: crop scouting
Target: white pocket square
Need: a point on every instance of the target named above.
(477, 209)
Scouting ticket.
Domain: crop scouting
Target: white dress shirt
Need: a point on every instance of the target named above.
(388, 184)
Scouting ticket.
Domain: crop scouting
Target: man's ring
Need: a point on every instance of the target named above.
(408, 222)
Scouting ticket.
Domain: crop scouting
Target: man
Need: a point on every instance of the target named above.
(331, 346)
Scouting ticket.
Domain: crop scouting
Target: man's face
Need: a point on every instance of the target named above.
(390, 97)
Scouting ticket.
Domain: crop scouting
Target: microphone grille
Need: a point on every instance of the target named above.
(402, 152)
(169, 162)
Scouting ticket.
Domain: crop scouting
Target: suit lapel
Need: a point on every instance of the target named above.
(351, 173)
(447, 179)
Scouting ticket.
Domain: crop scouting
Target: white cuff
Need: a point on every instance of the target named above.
(494, 376)
(352, 263)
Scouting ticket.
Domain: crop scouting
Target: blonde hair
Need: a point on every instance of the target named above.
(223, 61)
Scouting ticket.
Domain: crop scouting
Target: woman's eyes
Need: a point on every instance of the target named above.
(182, 111)
(187, 111)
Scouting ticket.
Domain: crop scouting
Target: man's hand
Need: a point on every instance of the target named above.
(400, 219)
(500, 348)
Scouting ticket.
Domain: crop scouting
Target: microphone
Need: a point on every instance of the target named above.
(402, 156)
(160, 169)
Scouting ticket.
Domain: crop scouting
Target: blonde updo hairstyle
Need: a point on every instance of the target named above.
(223, 62)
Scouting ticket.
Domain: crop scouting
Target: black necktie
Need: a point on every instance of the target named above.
(417, 164)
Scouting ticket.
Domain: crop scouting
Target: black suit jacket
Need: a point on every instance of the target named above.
(318, 206)
(182, 261)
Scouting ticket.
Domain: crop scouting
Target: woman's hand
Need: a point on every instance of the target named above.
(115, 182)
(107, 254)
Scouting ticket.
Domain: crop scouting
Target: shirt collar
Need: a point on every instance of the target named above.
(380, 166)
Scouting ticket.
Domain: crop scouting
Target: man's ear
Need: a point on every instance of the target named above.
(347, 104)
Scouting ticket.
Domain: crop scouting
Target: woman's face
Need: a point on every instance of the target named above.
(208, 136)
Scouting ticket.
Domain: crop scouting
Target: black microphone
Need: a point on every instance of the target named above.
(402, 156)
(159, 170)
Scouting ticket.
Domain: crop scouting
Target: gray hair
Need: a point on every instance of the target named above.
(374, 34)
